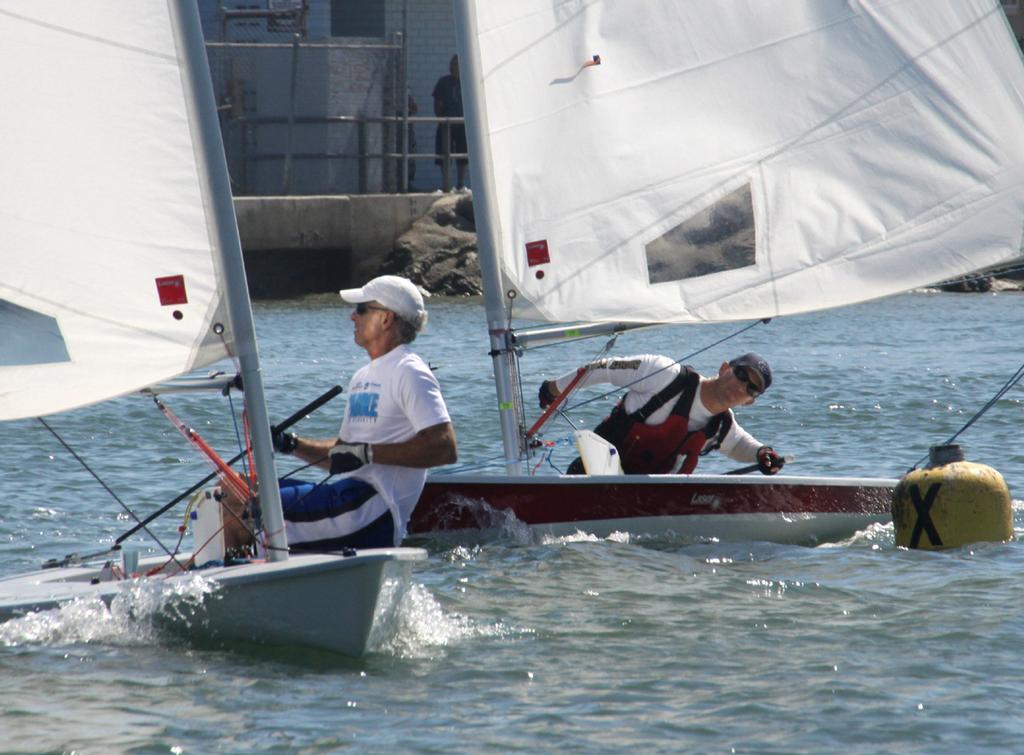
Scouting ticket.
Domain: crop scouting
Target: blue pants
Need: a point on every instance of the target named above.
(331, 516)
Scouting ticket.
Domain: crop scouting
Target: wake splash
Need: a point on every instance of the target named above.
(876, 536)
(411, 624)
(132, 618)
(586, 537)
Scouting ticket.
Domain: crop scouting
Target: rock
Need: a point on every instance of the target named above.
(439, 252)
(970, 284)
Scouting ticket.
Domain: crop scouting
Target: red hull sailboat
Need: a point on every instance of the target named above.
(628, 172)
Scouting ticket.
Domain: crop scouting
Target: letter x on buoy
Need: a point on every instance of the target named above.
(924, 517)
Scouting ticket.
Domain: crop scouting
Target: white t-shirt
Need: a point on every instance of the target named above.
(646, 374)
(390, 400)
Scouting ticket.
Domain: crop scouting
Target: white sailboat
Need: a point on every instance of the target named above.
(637, 163)
(123, 269)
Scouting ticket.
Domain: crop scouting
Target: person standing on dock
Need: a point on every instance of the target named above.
(671, 415)
(448, 104)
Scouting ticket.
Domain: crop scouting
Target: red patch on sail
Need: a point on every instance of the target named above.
(171, 290)
(537, 253)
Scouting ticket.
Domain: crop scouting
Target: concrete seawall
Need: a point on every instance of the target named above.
(305, 245)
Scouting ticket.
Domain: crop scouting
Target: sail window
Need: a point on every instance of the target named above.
(720, 237)
(28, 337)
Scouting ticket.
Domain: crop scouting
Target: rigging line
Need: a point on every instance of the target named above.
(722, 340)
(494, 461)
(569, 390)
(566, 417)
(229, 477)
(300, 468)
(282, 426)
(573, 388)
(510, 295)
(544, 454)
(219, 330)
(75, 558)
(990, 403)
(242, 447)
(562, 342)
(250, 454)
(516, 379)
(166, 507)
(315, 485)
(245, 449)
(1010, 383)
(106, 487)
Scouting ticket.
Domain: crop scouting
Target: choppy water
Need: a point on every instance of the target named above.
(514, 643)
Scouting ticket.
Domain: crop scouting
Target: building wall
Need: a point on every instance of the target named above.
(331, 82)
(256, 82)
(336, 83)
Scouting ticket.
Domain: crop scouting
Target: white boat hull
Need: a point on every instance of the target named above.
(311, 600)
(785, 529)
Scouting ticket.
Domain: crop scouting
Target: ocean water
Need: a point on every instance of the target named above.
(511, 642)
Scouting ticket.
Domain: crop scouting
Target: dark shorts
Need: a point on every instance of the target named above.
(321, 507)
(458, 142)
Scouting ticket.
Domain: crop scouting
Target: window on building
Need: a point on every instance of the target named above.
(357, 18)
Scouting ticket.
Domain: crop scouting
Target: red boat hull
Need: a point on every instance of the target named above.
(781, 509)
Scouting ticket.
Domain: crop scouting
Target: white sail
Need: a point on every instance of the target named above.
(734, 160)
(109, 279)
(116, 227)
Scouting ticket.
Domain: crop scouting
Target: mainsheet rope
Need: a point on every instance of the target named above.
(1010, 383)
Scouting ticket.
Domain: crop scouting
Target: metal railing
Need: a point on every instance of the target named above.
(396, 161)
(302, 117)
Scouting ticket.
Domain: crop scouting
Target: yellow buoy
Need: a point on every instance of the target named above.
(950, 503)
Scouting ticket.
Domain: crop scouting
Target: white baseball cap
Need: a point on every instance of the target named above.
(400, 295)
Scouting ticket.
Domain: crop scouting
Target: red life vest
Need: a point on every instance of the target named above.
(669, 446)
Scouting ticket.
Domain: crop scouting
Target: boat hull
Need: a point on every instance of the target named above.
(321, 601)
(804, 510)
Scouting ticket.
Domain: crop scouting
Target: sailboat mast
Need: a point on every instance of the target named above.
(488, 237)
(216, 187)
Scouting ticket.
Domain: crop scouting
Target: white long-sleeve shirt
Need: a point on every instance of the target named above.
(646, 374)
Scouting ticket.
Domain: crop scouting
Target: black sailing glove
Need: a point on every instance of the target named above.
(347, 457)
(768, 461)
(284, 443)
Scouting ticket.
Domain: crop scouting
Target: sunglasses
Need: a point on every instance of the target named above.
(362, 308)
(743, 375)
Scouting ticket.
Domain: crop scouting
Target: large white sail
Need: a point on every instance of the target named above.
(109, 279)
(733, 159)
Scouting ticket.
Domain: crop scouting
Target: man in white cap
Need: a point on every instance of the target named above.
(396, 426)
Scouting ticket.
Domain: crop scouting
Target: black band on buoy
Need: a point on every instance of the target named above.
(948, 454)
